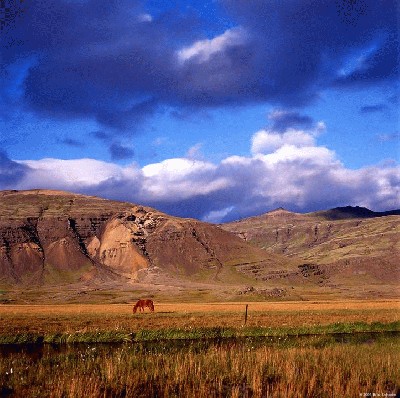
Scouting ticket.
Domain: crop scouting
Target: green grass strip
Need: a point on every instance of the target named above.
(107, 336)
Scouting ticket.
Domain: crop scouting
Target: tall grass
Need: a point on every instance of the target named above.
(213, 370)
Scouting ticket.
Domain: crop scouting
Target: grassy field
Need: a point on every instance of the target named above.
(17, 321)
(201, 350)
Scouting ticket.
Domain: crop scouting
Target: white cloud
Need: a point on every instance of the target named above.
(292, 172)
(306, 155)
(181, 179)
(203, 50)
(266, 141)
(176, 169)
(75, 172)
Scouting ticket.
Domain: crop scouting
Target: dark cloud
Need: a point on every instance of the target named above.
(282, 120)
(117, 150)
(381, 63)
(305, 44)
(9, 12)
(351, 11)
(120, 152)
(113, 62)
(10, 172)
(102, 61)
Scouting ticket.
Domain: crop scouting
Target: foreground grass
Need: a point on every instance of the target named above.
(207, 358)
(215, 370)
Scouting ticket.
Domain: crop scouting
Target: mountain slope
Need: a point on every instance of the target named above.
(54, 237)
(90, 245)
(349, 246)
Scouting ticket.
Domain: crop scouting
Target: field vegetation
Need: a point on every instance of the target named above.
(52, 323)
(283, 368)
(286, 349)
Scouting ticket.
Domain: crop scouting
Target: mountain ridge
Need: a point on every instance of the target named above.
(65, 242)
(336, 213)
(345, 212)
(53, 237)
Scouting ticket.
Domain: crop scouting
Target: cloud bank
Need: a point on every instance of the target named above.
(115, 63)
(285, 169)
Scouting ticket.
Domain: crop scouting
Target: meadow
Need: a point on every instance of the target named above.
(286, 349)
(82, 318)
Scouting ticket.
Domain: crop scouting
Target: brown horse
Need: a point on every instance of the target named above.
(141, 304)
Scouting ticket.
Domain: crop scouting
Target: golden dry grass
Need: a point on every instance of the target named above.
(88, 317)
(46, 309)
(300, 369)
(233, 370)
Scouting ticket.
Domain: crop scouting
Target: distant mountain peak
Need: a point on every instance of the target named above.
(345, 212)
(278, 209)
(353, 209)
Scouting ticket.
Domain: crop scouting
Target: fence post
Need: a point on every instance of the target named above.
(245, 315)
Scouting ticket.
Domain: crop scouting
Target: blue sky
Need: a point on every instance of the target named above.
(215, 109)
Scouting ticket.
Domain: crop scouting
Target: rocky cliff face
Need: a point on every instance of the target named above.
(55, 237)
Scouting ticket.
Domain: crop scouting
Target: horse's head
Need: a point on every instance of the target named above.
(134, 309)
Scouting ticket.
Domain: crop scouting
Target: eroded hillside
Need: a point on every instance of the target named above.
(52, 237)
